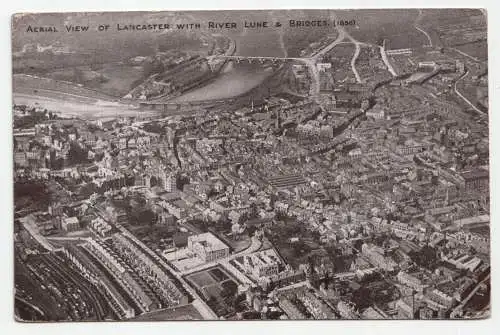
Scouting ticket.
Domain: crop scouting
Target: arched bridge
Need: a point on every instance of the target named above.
(260, 59)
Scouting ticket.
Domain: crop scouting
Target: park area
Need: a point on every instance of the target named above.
(217, 287)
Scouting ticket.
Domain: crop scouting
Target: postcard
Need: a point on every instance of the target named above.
(251, 164)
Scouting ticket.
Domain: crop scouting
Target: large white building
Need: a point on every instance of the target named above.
(70, 224)
(207, 247)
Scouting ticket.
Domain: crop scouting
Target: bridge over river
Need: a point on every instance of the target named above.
(171, 107)
(251, 59)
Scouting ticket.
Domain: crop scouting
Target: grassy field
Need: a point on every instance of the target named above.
(213, 283)
(372, 26)
(341, 51)
(407, 39)
(114, 79)
(219, 295)
(202, 279)
(120, 78)
(478, 49)
(21, 83)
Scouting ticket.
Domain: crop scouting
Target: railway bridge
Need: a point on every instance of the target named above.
(171, 106)
(260, 59)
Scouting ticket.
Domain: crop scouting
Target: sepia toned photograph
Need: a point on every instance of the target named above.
(251, 165)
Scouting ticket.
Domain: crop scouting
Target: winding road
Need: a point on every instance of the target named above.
(357, 45)
(417, 21)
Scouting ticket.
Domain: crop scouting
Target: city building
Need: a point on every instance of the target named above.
(377, 257)
(261, 264)
(70, 224)
(207, 247)
(411, 280)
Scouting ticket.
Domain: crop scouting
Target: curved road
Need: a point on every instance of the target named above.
(29, 304)
(417, 21)
(353, 62)
(310, 62)
(463, 97)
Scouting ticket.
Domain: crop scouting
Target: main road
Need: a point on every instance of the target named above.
(310, 62)
(342, 35)
(386, 60)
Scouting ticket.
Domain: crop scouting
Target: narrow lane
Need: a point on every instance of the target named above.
(353, 63)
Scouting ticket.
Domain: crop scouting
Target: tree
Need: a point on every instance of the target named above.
(253, 210)
(144, 217)
(77, 154)
(88, 189)
(251, 230)
(425, 258)
(237, 302)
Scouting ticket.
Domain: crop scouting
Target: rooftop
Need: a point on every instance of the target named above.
(208, 240)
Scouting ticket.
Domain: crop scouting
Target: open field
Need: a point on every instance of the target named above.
(341, 51)
(202, 279)
(113, 79)
(217, 287)
(120, 78)
(215, 276)
(454, 27)
(376, 24)
(407, 39)
(478, 49)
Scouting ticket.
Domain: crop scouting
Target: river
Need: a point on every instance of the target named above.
(238, 78)
(235, 79)
(78, 107)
